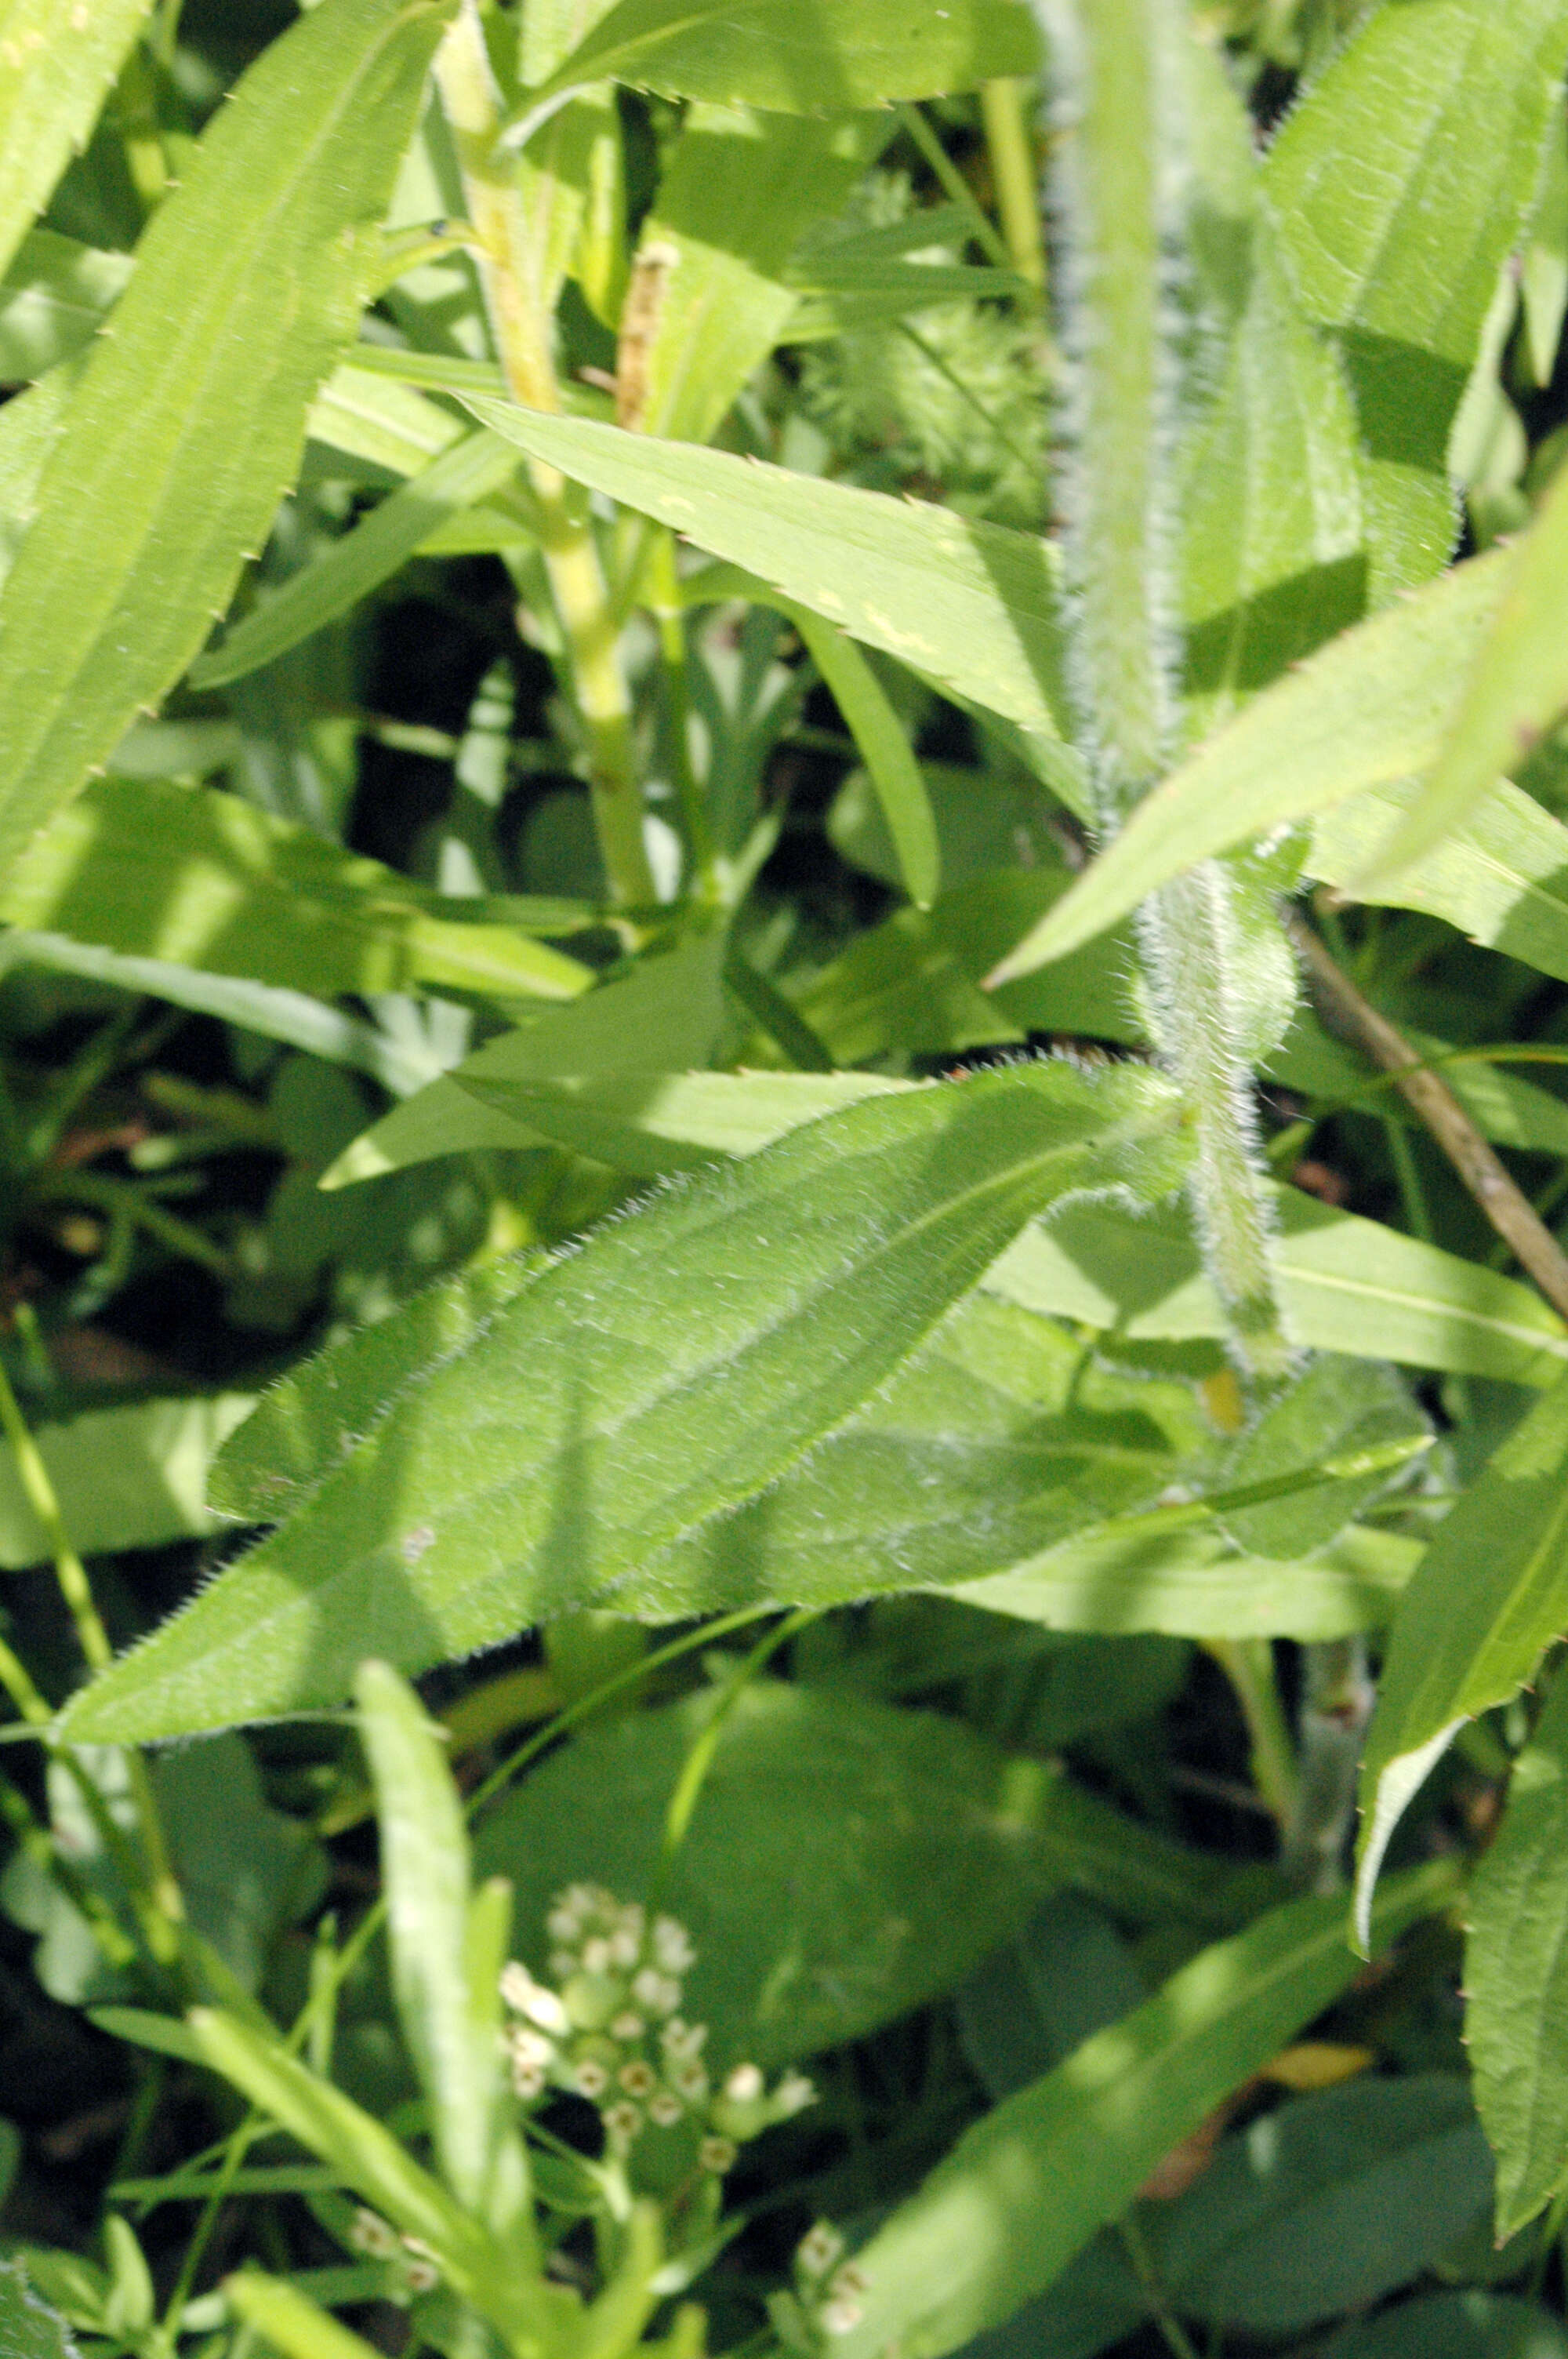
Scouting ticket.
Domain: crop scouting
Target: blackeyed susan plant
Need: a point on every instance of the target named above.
(726, 728)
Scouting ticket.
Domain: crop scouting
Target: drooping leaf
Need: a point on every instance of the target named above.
(57, 60)
(1026, 2188)
(1325, 2205)
(1349, 1285)
(200, 878)
(971, 605)
(594, 1421)
(1366, 712)
(795, 60)
(1491, 1594)
(1515, 1982)
(189, 418)
(1401, 263)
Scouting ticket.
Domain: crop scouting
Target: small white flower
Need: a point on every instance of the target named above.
(847, 2283)
(516, 1982)
(422, 2276)
(563, 1964)
(527, 2081)
(819, 2248)
(529, 2047)
(622, 2122)
(744, 2086)
(525, 1996)
(717, 2155)
(596, 1958)
(794, 2093)
(627, 2028)
(671, 1945)
(592, 2080)
(665, 2109)
(648, 1989)
(625, 1948)
(691, 2081)
(563, 1925)
(841, 2316)
(638, 2079)
(372, 2234)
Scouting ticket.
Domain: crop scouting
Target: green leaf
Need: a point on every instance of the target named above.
(1349, 1285)
(712, 293)
(1515, 1976)
(998, 1462)
(203, 879)
(129, 1478)
(1270, 506)
(311, 1419)
(638, 1028)
(972, 606)
(453, 2033)
(1337, 1408)
(1501, 877)
(1401, 263)
(189, 419)
(884, 749)
(846, 1863)
(594, 1421)
(1518, 686)
(1026, 2188)
(1470, 2325)
(57, 60)
(29, 2329)
(363, 559)
(53, 299)
(1325, 2205)
(1490, 1596)
(288, 2320)
(1366, 712)
(769, 53)
(369, 415)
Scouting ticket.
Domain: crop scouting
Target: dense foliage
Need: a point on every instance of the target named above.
(784, 926)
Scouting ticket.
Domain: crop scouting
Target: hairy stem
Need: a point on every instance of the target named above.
(505, 254)
(1122, 148)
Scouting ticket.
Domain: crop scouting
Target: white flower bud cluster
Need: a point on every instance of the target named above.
(830, 2287)
(610, 2030)
(380, 2241)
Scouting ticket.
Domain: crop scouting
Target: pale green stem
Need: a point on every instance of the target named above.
(954, 185)
(504, 256)
(1015, 174)
(1336, 1705)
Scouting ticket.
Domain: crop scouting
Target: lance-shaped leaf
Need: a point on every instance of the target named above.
(1368, 710)
(800, 57)
(1517, 687)
(1400, 258)
(971, 605)
(1490, 1596)
(58, 59)
(594, 1421)
(189, 419)
(202, 879)
(1516, 1977)
(1029, 2185)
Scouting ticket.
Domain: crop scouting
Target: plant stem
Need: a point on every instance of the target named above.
(1249, 1665)
(1015, 174)
(507, 264)
(1505, 1204)
(1336, 1707)
(954, 185)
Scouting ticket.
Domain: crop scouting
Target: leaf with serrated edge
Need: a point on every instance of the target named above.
(1516, 1979)
(973, 606)
(800, 60)
(594, 1421)
(1028, 2186)
(58, 59)
(1490, 1596)
(189, 419)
